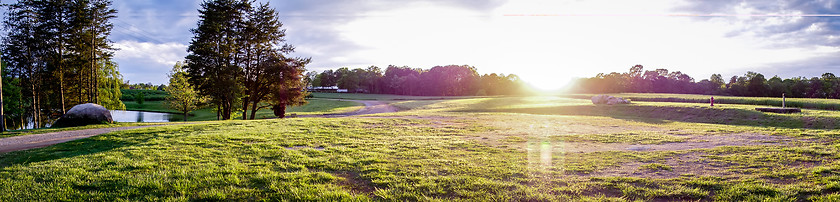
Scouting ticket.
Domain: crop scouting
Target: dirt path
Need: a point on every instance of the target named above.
(25, 142)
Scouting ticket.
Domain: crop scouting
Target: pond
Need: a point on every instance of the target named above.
(116, 115)
(139, 116)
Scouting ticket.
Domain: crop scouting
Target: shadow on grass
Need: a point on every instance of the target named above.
(662, 114)
(95, 144)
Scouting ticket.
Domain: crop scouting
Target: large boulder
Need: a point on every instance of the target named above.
(610, 100)
(84, 114)
(600, 99)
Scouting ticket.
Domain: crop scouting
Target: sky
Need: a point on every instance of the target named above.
(545, 42)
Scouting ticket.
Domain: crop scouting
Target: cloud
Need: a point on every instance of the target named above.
(158, 21)
(148, 62)
(785, 23)
(811, 67)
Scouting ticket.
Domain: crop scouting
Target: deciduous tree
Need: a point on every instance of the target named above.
(182, 96)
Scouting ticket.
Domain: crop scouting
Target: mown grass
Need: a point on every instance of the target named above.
(292, 159)
(479, 149)
(625, 137)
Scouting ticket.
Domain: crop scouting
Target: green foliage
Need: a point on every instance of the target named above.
(13, 107)
(449, 80)
(109, 90)
(182, 97)
(148, 95)
(60, 52)
(139, 98)
(750, 84)
(244, 63)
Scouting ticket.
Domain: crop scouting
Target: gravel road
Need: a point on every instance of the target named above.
(24, 142)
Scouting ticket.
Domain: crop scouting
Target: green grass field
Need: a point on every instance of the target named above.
(477, 149)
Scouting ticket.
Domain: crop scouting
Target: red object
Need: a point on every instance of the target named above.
(713, 101)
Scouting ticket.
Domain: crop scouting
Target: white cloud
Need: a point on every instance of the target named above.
(143, 62)
(161, 54)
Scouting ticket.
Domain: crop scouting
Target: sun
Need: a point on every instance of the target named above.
(550, 83)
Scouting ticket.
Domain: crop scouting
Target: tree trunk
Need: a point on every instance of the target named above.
(280, 110)
(34, 105)
(227, 108)
(185, 116)
(254, 110)
(245, 108)
(61, 87)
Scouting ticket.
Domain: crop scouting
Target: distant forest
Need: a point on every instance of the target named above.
(638, 80)
(450, 80)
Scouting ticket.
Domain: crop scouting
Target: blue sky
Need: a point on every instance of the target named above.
(546, 42)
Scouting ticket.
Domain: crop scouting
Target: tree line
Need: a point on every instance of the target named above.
(57, 54)
(753, 84)
(449, 80)
(237, 59)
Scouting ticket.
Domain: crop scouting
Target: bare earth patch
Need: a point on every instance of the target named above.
(353, 181)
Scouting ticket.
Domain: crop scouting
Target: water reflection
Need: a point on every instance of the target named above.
(138, 116)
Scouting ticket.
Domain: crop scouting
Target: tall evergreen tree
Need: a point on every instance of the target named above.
(60, 52)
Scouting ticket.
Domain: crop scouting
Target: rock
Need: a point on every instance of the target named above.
(84, 114)
(600, 99)
(610, 100)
